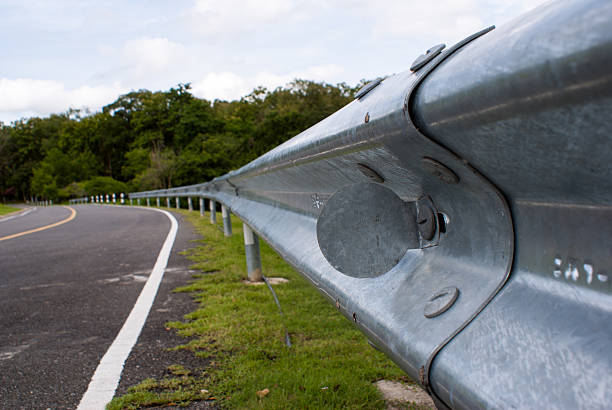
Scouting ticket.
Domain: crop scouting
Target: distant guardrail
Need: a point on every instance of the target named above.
(459, 213)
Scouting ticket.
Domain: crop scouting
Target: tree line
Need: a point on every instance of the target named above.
(151, 140)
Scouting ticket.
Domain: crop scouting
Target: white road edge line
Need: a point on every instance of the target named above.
(106, 378)
(22, 213)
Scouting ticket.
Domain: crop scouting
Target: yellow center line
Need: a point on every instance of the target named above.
(42, 228)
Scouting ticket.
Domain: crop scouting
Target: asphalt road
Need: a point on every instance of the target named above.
(66, 291)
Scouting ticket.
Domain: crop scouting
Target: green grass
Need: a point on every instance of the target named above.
(5, 209)
(239, 329)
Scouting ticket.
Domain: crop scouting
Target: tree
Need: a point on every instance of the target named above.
(151, 140)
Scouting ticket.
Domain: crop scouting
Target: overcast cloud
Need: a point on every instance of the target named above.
(84, 53)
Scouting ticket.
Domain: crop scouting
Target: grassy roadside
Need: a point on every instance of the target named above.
(238, 328)
(5, 209)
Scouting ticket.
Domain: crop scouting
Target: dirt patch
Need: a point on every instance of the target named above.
(397, 395)
(273, 281)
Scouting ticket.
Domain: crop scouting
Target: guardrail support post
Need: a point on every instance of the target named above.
(253, 255)
(189, 203)
(227, 221)
(148, 202)
(178, 203)
(213, 212)
(138, 202)
(131, 202)
(114, 199)
(157, 200)
(201, 206)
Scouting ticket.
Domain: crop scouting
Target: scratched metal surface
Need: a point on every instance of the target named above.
(282, 194)
(542, 133)
(522, 116)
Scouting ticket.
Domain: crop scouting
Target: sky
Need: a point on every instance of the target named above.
(83, 54)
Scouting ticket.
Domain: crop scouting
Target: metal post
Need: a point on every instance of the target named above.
(178, 203)
(189, 203)
(107, 199)
(131, 202)
(201, 206)
(227, 221)
(253, 255)
(138, 201)
(157, 201)
(122, 198)
(167, 202)
(114, 198)
(148, 202)
(213, 212)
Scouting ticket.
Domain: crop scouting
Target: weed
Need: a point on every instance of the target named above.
(238, 327)
(5, 209)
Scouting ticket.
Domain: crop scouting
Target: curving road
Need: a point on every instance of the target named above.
(65, 293)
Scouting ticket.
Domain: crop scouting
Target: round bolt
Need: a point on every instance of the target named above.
(427, 57)
(440, 302)
(426, 222)
(367, 117)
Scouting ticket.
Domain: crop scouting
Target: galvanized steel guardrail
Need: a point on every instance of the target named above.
(460, 213)
(112, 198)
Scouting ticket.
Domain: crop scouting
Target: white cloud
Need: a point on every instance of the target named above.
(441, 19)
(80, 46)
(25, 97)
(445, 20)
(235, 16)
(152, 54)
(223, 86)
(230, 86)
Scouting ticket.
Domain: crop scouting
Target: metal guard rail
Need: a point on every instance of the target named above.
(459, 214)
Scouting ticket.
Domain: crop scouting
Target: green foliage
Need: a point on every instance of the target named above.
(73, 190)
(238, 329)
(103, 185)
(152, 140)
(6, 209)
(178, 391)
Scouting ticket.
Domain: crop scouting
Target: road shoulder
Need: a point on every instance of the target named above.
(152, 356)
